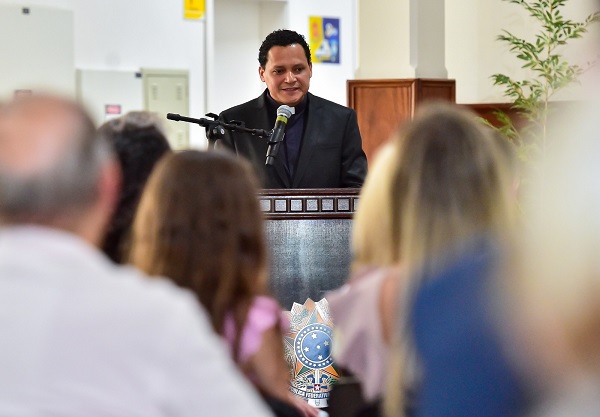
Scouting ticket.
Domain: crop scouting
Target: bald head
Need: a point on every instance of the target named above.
(35, 133)
(50, 159)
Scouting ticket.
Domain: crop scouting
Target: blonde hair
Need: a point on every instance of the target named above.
(374, 241)
(451, 183)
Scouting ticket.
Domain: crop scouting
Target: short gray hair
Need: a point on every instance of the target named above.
(138, 119)
(69, 183)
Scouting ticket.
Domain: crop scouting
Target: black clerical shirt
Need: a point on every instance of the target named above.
(292, 142)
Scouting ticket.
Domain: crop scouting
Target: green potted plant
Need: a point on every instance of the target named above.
(549, 70)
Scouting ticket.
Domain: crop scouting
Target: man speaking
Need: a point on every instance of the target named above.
(316, 143)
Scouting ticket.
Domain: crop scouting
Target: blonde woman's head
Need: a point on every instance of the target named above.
(441, 179)
(374, 241)
(452, 183)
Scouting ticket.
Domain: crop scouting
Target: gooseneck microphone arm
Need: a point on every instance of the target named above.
(215, 129)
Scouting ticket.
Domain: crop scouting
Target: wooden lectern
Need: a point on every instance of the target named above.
(308, 234)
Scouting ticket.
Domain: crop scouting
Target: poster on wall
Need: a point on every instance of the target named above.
(324, 39)
(193, 9)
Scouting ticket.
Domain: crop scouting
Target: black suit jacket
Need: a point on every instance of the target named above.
(331, 154)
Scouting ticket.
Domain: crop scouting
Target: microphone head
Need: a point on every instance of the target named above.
(173, 116)
(285, 111)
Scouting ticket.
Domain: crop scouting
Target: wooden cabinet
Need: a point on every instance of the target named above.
(383, 105)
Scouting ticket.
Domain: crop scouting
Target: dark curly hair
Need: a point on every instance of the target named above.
(282, 37)
(139, 142)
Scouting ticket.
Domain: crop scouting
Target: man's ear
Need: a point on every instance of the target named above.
(310, 69)
(261, 73)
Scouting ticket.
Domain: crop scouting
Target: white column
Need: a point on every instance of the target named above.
(428, 38)
(401, 39)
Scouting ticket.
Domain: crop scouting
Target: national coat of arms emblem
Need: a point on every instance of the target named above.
(308, 348)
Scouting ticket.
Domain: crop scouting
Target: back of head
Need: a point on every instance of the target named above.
(139, 141)
(50, 161)
(452, 183)
(282, 37)
(199, 223)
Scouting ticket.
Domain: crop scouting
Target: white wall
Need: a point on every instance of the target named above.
(237, 34)
(427, 44)
(98, 88)
(124, 35)
(401, 39)
(462, 47)
(383, 35)
(129, 35)
(473, 54)
(37, 50)
(329, 80)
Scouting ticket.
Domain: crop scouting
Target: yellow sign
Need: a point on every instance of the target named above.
(193, 9)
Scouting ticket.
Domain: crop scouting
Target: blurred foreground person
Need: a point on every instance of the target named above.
(139, 141)
(554, 296)
(464, 364)
(200, 224)
(442, 181)
(363, 308)
(81, 336)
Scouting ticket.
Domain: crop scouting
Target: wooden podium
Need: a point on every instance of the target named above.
(308, 234)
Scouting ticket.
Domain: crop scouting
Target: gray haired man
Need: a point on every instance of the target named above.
(81, 336)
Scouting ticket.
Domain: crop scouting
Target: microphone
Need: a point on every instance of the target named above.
(278, 133)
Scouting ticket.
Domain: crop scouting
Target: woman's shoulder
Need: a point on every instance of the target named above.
(265, 303)
(373, 274)
(264, 312)
(364, 285)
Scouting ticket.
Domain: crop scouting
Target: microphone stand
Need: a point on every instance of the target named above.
(215, 129)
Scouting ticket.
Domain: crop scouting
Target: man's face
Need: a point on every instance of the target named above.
(287, 74)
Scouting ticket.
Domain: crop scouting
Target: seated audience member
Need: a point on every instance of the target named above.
(553, 292)
(446, 182)
(457, 333)
(200, 224)
(465, 364)
(459, 188)
(362, 326)
(139, 142)
(80, 335)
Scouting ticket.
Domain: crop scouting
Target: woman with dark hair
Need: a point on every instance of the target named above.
(199, 223)
(139, 141)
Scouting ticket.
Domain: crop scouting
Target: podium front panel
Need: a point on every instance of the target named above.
(308, 235)
(308, 257)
